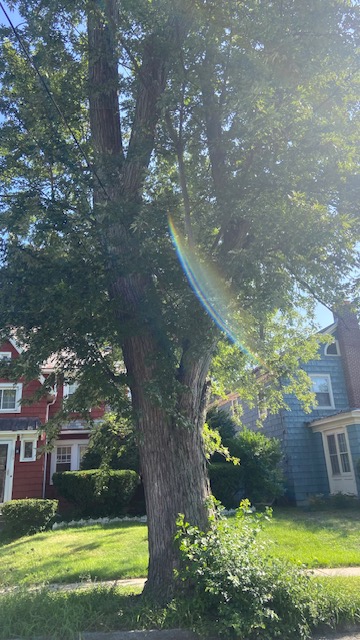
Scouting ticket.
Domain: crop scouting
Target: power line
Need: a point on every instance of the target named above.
(45, 86)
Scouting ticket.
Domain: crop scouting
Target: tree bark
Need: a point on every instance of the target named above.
(172, 459)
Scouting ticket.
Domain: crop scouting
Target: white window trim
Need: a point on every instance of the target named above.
(75, 454)
(10, 440)
(335, 432)
(332, 355)
(66, 389)
(5, 355)
(328, 377)
(18, 387)
(23, 440)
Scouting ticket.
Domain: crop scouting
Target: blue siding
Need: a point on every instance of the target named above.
(304, 459)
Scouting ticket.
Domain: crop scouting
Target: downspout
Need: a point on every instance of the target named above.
(49, 404)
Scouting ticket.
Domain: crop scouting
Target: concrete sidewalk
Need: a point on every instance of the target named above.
(139, 582)
(181, 634)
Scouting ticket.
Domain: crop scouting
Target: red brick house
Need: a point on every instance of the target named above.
(25, 472)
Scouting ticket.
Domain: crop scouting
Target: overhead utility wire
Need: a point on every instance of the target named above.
(33, 64)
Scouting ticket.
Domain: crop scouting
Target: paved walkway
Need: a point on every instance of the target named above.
(139, 582)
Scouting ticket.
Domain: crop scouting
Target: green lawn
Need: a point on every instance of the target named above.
(69, 555)
(316, 539)
(65, 615)
(322, 539)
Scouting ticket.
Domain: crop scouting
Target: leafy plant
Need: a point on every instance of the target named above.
(28, 516)
(260, 458)
(112, 444)
(227, 483)
(259, 477)
(236, 590)
(98, 492)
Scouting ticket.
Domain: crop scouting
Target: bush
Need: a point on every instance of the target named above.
(112, 445)
(260, 459)
(25, 517)
(227, 483)
(333, 501)
(96, 492)
(238, 592)
(223, 422)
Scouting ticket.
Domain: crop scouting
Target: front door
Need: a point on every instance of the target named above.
(339, 464)
(6, 469)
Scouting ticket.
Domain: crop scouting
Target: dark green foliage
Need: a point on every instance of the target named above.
(98, 492)
(28, 516)
(223, 422)
(112, 444)
(259, 476)
(239, 592)
(260, 459)
(336, 501)
(227, 483)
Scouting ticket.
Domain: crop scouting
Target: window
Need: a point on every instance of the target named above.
(28, 450)
(332, 349)
(338, 453)
(69, 389)
(321, 386)
(82, 451)
(10, 396)
(67, 455)
(63, 459)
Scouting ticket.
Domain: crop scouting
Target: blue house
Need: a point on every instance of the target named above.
(322, 449)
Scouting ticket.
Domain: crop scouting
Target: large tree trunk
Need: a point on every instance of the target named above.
(172, 459)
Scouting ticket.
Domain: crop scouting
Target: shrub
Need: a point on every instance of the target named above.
(333, 501)
(227, 483)
(260, 459)
(98, 492)
(28, 516)
(112, 445)
(223, 422)
(238, 592)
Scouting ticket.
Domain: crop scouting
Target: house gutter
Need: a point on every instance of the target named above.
(49, 404)
(334, 421)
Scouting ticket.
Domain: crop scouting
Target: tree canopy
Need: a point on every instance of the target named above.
(227, 128)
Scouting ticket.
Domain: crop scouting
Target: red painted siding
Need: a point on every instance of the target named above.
(28, 477)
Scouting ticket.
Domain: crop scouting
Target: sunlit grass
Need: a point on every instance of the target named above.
(71, 555)
(65, 615)
(316, 539)
(323, 539)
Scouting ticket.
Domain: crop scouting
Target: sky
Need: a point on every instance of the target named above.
(323, 316)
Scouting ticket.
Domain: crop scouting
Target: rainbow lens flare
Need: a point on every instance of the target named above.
(215, 295)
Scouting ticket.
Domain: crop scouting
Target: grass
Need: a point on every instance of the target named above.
(70, 555)
(315, 539)
(325, 538)
(64, 616)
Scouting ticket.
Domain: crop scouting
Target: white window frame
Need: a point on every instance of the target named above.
(10, 440)
(5, 355)
(332, 355)
(67, 387)
(75, 454)
(328, 378)
(18, 387)
(23, 440)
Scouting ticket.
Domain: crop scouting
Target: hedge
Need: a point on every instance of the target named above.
(227, 483)
(98, 493)
(28, 516)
